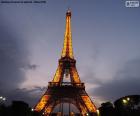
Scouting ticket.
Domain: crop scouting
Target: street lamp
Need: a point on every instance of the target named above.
(32, 109)
(128, 99)
(98, 112)
(125, 101)
(2, 99)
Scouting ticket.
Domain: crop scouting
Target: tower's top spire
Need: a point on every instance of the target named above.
(68, 12)
(67, 50)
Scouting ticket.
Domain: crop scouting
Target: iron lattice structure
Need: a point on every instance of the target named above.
(72, 92)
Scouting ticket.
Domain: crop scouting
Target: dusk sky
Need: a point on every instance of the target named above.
(106, 43)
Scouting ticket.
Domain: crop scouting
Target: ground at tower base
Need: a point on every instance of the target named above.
(125, 106)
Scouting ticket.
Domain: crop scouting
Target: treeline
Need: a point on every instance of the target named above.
(17, 108)
(125, 106)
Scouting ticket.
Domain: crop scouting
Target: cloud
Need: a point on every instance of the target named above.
(11, 59)
(14, 63)
(29, 95)
(34, 89)
(125, 82)
(30, 67)
(13, 55)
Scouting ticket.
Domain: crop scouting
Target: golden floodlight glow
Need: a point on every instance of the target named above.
(89, 103)
(83, 109)
(75, 75)
(72, 91)
(48, 110)
(57, 75)
(42, 103)
(67, 50)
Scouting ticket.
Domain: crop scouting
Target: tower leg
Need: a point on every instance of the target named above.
(62, 109)
(49, 108)
(69, 110)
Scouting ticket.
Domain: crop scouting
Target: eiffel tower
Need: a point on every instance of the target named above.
(59, 91)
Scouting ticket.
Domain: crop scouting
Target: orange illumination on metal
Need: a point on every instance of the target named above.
(57, 75)
(67, 66)
(42, 103)
(75, 75)
(83, 109)
(67, 46)
(90, 106)
(48, 110)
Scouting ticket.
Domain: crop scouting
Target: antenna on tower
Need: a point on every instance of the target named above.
(69, 8)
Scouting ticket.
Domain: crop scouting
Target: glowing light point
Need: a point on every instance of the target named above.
(128, 99)
(98, 112)
(4, 99)
(124, 101)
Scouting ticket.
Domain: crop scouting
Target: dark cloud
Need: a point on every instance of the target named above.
(11, 60)
(30, 67)
(126, 82)
(14, 63)
(30, 96)
(34, 89)
(13, 55)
